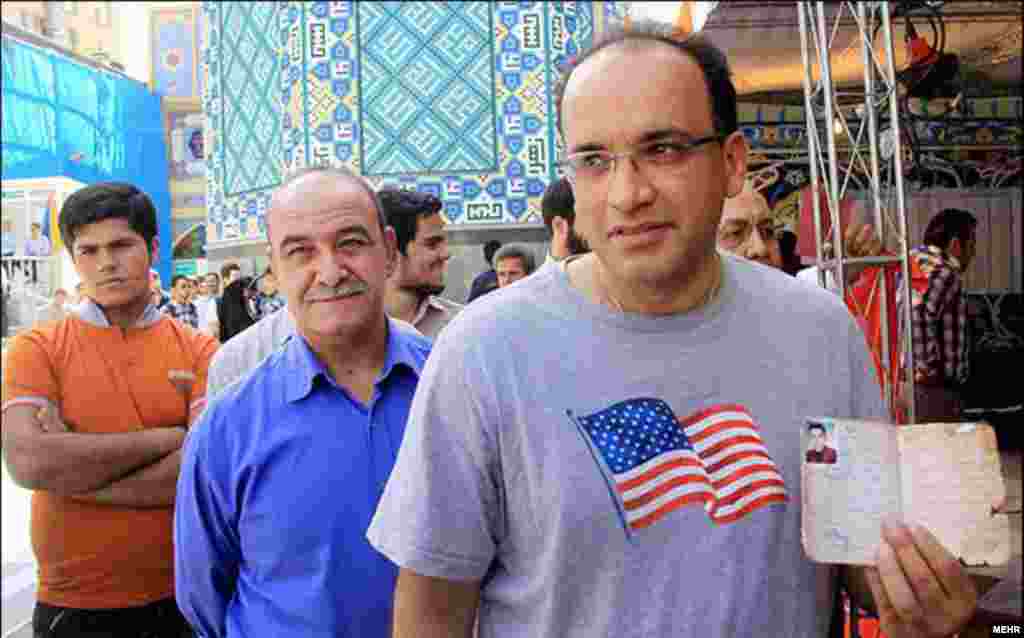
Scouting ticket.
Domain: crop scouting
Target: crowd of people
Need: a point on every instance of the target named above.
(608, 444)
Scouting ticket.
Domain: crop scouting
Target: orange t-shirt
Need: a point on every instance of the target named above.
(106, 380)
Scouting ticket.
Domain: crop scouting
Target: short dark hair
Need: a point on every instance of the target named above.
(490, 247)
(515, 251)
(107, 200)
(949, 224)
(175, 279)
(404, 208)
(814, 425)
(558, 201)
(233, 313)
(712, 62)
(228, 268)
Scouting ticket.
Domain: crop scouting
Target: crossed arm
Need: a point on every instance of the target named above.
(134, 469)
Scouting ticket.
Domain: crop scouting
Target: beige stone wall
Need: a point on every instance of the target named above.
(92, 26)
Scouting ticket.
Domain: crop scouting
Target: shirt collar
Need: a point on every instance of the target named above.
(91, 313)
(304, 367)
(942, 256)
(428, 304)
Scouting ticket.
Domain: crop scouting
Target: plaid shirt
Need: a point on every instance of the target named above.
(186, 313)
(939, 316)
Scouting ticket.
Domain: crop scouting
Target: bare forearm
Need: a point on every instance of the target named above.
(151, 486)
(74, 463)
(434, 608)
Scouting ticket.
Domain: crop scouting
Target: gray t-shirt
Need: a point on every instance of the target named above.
(609, 474)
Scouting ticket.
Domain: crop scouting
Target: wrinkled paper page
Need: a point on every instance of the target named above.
(851, 482)
(944, 476)
(951, 480)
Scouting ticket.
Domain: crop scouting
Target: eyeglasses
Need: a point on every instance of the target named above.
(666, 155)
(734, 236)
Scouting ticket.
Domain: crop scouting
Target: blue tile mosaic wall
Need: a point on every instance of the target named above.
(448, 98)
(427, 87)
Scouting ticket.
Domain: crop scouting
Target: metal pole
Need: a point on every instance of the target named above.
(812, 135)
(876, 183)
(901, 209)
(830, 141)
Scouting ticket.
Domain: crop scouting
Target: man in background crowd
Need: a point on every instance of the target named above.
(748, 230)
(513, 262)
(413, 291)
(37, 246)
(230, 272)
(269, 299)
(159, 296)
(280, 479)
(180, 307)
(559, 209)
(206, 303)
(939, 314)
(95, 408)
(487, 281)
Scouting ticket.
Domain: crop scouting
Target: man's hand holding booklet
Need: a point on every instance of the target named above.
(944, 476)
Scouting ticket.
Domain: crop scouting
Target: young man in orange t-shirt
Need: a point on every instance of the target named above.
(95, 409)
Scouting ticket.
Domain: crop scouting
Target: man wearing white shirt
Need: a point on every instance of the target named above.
(206, 303)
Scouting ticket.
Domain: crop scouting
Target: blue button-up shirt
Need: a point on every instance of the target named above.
(279, 481)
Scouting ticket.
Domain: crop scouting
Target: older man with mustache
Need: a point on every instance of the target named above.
(283, 473)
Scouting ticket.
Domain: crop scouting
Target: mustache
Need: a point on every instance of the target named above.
(327, 293)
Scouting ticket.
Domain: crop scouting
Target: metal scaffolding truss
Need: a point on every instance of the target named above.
(867, 120)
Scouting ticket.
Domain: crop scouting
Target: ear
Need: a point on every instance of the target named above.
(154, 251)
(734, 153)
(559, 227)
(956, 248)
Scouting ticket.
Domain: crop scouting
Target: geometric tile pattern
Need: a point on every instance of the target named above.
(250, 96)
(427, 89)
(323, 75)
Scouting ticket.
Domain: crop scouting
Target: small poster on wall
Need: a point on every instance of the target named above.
(186, 146)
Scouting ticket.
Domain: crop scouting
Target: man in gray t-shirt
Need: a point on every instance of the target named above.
(612, 446)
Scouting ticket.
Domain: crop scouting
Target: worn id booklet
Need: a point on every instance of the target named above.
(945, 476)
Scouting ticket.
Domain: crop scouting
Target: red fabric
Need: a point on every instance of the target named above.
(863, 298)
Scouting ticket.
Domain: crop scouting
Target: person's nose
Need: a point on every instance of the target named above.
(332, 269)
(755, 247)
(106, 260)
(628, 185)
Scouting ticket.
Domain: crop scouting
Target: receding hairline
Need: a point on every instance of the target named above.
(333, 173)
(637, 44)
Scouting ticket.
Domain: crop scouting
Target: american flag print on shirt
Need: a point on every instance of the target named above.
(659, 463)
